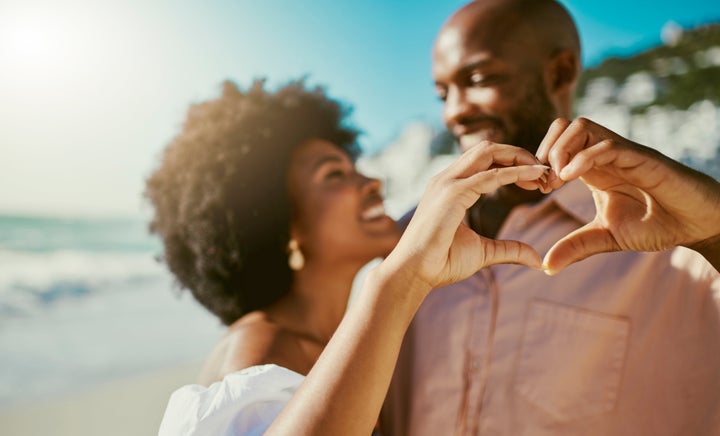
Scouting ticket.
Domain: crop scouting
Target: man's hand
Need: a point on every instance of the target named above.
(645, 201)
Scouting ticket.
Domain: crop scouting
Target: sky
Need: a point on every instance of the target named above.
(92, 90)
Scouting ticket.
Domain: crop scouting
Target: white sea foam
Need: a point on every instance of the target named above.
(30, 279)
(84, 301)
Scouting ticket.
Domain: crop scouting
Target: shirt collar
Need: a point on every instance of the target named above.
(575, 198)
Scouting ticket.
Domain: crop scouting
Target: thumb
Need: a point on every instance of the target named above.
(584, 242)
(501, 251)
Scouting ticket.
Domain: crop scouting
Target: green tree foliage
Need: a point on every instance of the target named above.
(684, 73)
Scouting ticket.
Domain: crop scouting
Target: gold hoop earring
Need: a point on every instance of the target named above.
(296, 260)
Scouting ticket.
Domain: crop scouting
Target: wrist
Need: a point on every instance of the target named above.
(399, 281)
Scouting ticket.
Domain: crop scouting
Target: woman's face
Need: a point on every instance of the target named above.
(338, 213)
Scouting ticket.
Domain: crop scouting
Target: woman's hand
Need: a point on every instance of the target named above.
(438, 248)
(345, 389)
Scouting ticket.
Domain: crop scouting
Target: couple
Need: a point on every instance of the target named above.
(265, 219)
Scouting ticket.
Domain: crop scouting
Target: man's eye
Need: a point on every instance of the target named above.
(476, 78)
(481, 79)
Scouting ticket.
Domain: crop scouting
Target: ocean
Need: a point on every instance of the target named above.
(83, 301)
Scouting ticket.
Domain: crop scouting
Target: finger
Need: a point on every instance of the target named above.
(556, 129)
(501, 251)
(531, 185)
(489, 154)
(598, 155)
(552, 182)
(490, 180)
(582, 243)
(441, 209)
(574, 139)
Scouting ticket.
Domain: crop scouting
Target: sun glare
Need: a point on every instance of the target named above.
(32, 42)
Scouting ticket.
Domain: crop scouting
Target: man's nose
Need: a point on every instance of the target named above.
(456, 107)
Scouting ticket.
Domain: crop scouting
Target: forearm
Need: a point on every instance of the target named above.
(344, 391)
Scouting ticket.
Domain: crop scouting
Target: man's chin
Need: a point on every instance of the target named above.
(470, 140)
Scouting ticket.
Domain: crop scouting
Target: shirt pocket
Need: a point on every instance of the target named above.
(571, 360)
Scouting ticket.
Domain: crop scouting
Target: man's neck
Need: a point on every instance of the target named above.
(487, 216)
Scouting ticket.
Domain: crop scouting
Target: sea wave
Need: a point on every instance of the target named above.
(31, 280)
(41, 234)
(85, 300)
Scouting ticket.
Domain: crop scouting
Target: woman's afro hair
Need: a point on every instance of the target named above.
(220, 196)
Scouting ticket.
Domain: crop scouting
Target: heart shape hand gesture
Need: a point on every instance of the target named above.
(644, 200)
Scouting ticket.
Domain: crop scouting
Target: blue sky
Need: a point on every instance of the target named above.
(90, 91)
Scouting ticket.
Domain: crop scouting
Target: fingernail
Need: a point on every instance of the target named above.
(564, 172)
(546, 269)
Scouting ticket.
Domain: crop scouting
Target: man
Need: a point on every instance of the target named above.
(617, 344)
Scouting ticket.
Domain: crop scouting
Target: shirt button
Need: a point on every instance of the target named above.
(475, 364)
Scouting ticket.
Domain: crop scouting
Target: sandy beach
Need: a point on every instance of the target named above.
(130, 406)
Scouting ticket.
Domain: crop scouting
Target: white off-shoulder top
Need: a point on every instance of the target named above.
(243, 403)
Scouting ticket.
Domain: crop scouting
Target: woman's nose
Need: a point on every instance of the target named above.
(371, 184)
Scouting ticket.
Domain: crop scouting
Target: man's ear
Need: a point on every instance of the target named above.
(562, 71)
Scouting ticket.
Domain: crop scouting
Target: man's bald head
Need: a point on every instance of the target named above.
(544, 26)
(505, 69)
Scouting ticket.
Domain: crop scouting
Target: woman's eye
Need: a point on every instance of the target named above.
(334, 174)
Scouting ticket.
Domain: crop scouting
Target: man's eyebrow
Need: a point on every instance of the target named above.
(474, 65)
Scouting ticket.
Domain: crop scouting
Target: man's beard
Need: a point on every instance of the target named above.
(533, 117)
(531, 121)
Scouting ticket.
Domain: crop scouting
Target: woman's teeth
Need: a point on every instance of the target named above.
(373, 212)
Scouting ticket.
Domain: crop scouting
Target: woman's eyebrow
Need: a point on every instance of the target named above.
(325, 160)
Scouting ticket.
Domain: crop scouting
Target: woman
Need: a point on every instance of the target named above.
(265, 219)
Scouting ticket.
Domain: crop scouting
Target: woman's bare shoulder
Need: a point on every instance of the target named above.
(253, 340)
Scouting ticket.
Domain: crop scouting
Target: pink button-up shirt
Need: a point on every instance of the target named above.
(618, 344)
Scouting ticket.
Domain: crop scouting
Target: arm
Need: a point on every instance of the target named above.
(344, 391)
(645, 201)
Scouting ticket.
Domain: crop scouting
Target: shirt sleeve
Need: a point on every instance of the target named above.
(243, 403)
